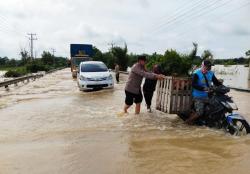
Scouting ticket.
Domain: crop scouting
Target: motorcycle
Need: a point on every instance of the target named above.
(219, 113)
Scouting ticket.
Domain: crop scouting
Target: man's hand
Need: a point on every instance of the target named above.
(160, 76)
(206, 89)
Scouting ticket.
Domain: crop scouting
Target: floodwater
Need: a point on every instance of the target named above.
(2, 76)
(237, 76)
(49, 126)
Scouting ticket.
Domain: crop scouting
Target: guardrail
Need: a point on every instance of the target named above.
(19, 79)
(53, 70)
(22, 79)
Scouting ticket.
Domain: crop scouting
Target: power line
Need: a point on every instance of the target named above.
(202, 13)
(205, 12)
(182, 12)
(200, 5)
(179, 9)
(223, 16)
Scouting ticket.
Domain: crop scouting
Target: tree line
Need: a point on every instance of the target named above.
(26, 64)
(171, 62)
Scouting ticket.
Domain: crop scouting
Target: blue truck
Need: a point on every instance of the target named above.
(79, 53)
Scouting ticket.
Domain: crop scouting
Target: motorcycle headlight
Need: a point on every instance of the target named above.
(226, 105)
(232, 105)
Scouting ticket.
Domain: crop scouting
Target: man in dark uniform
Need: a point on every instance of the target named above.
(149, 88)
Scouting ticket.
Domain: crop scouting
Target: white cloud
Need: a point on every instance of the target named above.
(146, 26)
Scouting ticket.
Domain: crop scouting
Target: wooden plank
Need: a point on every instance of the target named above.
(157, 94)
(160, 94)
(167, 94)
(162, 91)
(174, 94)
(164, 95)
(170, 95)
(182, 96)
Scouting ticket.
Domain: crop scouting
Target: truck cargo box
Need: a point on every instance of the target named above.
(79, 50)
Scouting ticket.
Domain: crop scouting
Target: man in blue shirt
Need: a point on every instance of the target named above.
(202, 80)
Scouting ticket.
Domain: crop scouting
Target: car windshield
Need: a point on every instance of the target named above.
(97, 67)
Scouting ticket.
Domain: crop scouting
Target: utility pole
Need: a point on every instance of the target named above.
(31, 38)
(53, 52)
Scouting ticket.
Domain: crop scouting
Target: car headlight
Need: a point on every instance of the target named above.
(83, 78)
(110, 77)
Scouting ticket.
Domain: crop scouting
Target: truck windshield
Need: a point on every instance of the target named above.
(100, 67)
(78, 60)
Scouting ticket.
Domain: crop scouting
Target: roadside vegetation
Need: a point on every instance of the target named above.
(17, 68)
(171, 62)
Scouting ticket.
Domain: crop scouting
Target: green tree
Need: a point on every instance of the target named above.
(47, 58)
(248, 53)
(4, 61)
(171, 63)
(12, 62)
(97, 55)
(24, 57)
(153, 60)
(120, 55)
(132, 58)
(193, 53)
(108, 59)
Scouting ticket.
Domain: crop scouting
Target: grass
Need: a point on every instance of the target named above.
(19, 68)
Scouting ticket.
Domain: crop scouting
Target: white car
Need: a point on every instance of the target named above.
(94, 75)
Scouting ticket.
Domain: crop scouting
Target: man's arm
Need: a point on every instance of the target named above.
(143, 73)
(216, 82)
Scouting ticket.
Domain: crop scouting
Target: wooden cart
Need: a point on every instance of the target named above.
(174, 94)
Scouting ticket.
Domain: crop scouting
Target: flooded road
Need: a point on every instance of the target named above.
(49, 126)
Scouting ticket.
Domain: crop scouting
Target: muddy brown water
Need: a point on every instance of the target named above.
(49, 126)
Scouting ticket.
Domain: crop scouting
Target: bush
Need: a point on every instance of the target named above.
(172, 63)
(13, 73)
(34, 67)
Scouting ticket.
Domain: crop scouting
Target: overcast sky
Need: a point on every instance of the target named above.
(147, 26)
